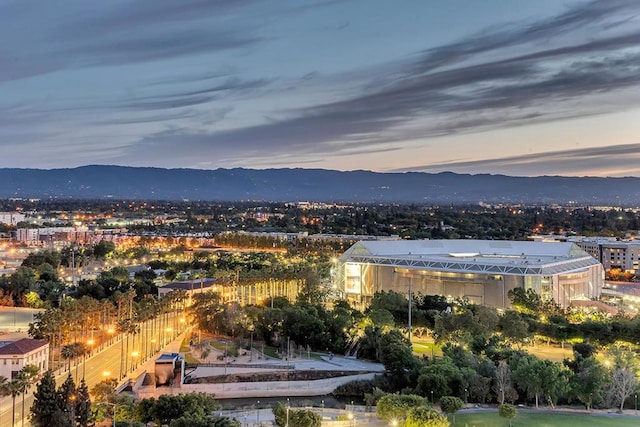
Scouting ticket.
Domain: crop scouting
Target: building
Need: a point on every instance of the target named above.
(191, 288)
(482, 271)
(612, 252)
(17, 354)
(11, 218)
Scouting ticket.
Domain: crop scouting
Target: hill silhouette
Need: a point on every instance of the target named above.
(91, 182)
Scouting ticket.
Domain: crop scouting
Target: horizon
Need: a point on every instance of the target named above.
(399, 172)
(508, 88)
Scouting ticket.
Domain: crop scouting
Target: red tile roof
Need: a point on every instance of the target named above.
(23, 346)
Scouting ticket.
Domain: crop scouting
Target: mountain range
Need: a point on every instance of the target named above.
(98, 182)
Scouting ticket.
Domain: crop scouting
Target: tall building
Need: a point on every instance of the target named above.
(483, 271)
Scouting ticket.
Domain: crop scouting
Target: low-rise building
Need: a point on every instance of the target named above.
(15, 355)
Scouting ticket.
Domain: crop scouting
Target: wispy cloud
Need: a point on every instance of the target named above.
(526, 73)
(204, 108)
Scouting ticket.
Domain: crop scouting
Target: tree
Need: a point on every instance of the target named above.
(104, 390)
(539, 377)
(397, 356)
(103, 248)
(589, 381)
(514, 328)
(623, 384)
(44, 401)
(423, 416)
(451, 405)
(83, 406)
(503, 383)
(507, 411)
(65, 397)
(15, 387)
(304, 418)
(397, 406)
(280, 414)
(27, 376)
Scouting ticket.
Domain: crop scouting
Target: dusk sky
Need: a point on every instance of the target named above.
(517, 87)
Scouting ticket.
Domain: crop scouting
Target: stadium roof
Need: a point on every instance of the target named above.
(474, 256)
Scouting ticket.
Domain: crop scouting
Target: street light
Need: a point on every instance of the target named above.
(251, 347)
(111, 331)
(114, 410)
(134, 357)
(258, 412)
(352, 418)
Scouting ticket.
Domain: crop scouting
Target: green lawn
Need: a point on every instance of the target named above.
(423, 347)
(231, 348)
(543, 420)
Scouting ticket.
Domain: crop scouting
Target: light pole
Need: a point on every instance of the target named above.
(409, 323)
(114, 410)
(258, 413)
(84, 356)
(251, 348)
(134, 359)
(74, 248)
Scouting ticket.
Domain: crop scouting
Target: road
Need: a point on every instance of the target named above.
(104, 363)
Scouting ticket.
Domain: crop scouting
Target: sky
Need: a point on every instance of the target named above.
(515, 87)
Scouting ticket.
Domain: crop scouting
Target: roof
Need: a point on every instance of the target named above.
(474, 256)
(190, 284)
(23, 346)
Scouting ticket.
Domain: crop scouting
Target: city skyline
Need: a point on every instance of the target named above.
(516, 88)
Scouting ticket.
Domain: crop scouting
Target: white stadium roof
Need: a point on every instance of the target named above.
(474, 256)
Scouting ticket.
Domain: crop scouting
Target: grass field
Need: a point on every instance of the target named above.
(544, 420)
(426, 347)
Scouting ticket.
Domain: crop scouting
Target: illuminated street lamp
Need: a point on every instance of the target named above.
(134, 358)
(352, 418)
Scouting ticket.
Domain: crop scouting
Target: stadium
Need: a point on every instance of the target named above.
(482, 271)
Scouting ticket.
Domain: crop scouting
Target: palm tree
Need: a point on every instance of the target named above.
(27, 375)
(4, 391)
(68, 352)
(15, 387)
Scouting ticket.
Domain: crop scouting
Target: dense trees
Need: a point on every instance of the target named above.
(67, 406)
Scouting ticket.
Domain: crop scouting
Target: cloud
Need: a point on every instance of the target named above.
(516, 74)
(115, 33)
(616, 160)
(533, 73)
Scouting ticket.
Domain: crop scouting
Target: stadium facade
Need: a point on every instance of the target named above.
(482, 271)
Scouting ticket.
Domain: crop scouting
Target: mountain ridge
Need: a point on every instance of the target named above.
(294, 184)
